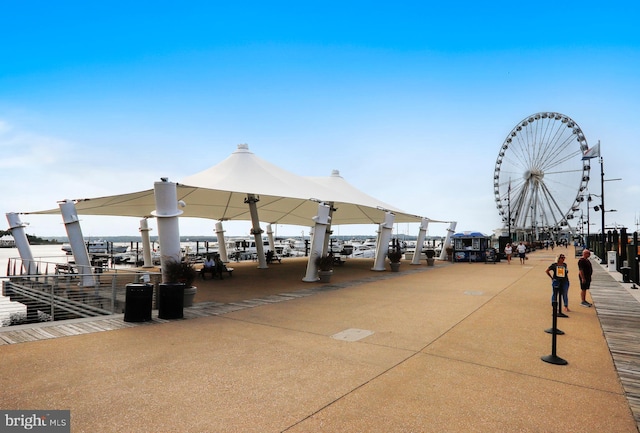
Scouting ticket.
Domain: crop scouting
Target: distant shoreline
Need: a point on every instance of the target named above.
(122, 239)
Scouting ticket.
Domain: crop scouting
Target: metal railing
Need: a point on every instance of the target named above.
(60, 291)
(626, 247)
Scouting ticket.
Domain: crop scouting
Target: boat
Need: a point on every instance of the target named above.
(98, 247)
(362, 251)
(358, 249)
(244, 248)
(135, 258)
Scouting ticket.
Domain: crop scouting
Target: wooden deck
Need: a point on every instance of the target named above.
(67, 328)
(619, 314)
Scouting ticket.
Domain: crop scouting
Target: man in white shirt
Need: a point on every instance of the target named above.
(522, 250)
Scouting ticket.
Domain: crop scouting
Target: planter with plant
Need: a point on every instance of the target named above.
(395, 255)
(430, 257)
(176, 291)
(325, 267)
(449, 251)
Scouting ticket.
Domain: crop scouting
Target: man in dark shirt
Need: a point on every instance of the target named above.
(585, 270)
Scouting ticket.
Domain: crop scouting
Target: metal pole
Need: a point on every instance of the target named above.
(509, 209)
(588, 223)
(554, 358)
(603, 259)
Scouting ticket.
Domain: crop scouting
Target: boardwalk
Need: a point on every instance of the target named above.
(619, 314)
(67, 328)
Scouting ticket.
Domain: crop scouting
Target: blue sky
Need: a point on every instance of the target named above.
(410, 101)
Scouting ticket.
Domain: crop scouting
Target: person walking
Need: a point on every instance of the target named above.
(508, 250)
(585, 271)
(522, 252)
(559, 274)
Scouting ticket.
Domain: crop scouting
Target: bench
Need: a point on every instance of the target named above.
(99, 265)
(214, 272)
(65, 269)
(273, 258)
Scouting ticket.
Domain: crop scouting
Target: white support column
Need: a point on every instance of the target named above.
(146, 243)
(420, 242)
(272, 244)
(76, 241)
(447, 241)
(16, 227)
(256, 231)
(384, 236)
(322, 220)
(222, 245)
(328, 231)
(166, 213)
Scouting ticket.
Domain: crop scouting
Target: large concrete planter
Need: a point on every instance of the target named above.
(395, 266)
(325, 276)
(189, 294)
(430, 262)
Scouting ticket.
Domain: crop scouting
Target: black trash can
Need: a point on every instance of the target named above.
(170, 300)
(138, 302)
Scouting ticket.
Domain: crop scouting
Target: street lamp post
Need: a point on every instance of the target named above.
(603, 260)
(588, 222)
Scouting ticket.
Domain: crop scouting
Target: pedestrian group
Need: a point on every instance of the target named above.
(559, 274)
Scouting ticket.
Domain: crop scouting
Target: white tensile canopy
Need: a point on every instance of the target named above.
(220, 193)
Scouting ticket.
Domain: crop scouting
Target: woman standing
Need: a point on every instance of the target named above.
(508, 250)
(559, 274)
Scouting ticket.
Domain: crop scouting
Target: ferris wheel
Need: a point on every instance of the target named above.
(539, 175)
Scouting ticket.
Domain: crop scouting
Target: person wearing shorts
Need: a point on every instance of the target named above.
(508, 250)
(522, 252)
(585, 271)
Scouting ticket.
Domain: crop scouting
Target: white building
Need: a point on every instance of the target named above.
(7, 241)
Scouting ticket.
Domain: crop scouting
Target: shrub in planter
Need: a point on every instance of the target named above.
(185, 273)
(394, 256)
(430, 257)
(325, 267)
(180, 272)
(395, 253)
(325, 263)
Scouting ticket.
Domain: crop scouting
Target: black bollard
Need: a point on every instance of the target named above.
(553, 358)
(560, 313)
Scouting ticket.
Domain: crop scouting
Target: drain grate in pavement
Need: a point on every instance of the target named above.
(352, 334)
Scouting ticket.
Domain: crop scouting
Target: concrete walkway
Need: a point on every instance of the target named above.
(447, 349)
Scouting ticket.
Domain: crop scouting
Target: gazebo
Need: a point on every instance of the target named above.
(246, 187)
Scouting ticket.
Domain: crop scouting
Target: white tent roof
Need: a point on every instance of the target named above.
(219, 193)
(343, 192)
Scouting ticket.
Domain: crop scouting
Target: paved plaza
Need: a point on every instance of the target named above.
(450, 348)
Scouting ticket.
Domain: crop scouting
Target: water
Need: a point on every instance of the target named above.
(47, 253)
